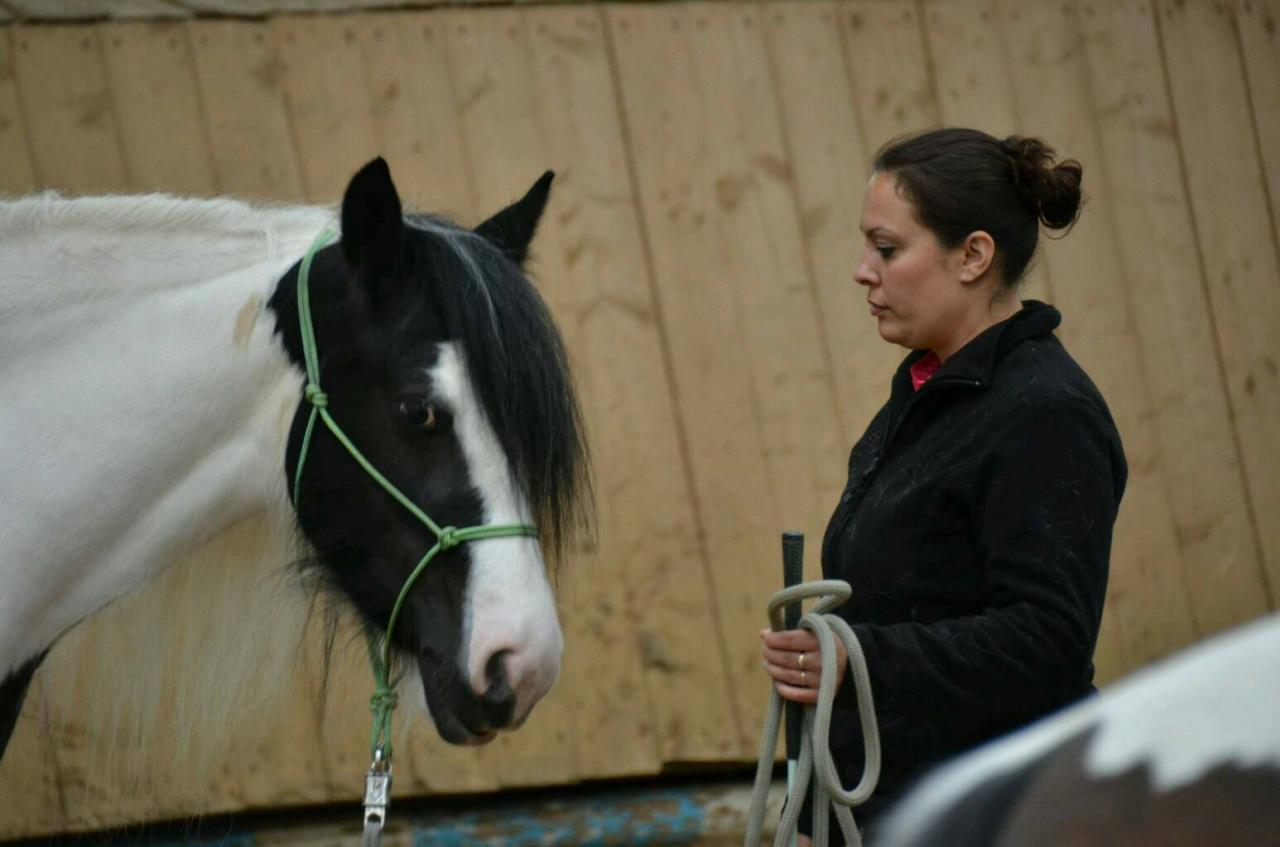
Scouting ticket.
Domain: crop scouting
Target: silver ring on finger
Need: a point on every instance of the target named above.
(801, 663)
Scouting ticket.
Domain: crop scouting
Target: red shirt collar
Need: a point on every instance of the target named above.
(923, 369)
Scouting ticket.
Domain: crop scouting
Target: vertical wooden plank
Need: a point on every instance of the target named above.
(1190, 415)
(793, 383)
(406, 71)
(69, 119)
(649, 620)
(755, 392)
(1238, 248)
(152, 78)
(890, 69)
(831, 171)
(16, 173)
(326, 98)
(326, 109)
(103, 778)
(1148, 595)
(666, 129)
(29, 772)
(327, 101)
(507, 149)
(411, 106)
(68, 109)
(504, 157)
(1258, 26)
(971, 64)
(239, 74)
(975, 87)
(65, 738)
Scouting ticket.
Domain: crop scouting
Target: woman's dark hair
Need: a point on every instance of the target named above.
(963, 180)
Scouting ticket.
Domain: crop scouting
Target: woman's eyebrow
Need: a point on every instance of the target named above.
(877, 230)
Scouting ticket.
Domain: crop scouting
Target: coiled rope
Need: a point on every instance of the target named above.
(815, 752)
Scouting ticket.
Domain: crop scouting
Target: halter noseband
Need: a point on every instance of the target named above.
(448, 537)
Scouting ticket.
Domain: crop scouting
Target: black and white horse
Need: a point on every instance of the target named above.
(1186, 752)
(151, 365)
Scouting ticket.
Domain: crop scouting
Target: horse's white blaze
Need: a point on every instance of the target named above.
(510, 606)
(140, 405)
(1213, 704)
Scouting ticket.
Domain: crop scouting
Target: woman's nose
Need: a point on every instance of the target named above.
(862, 274)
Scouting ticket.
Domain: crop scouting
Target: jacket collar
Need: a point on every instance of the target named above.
(977, 360)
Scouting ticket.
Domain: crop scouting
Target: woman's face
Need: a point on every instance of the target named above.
(913, 282)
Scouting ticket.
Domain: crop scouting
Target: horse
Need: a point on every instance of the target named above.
(1186, 752)
(154, 367)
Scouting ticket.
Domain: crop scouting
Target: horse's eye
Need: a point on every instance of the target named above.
(418, 413)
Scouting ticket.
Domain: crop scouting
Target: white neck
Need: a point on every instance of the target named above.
(147, 396)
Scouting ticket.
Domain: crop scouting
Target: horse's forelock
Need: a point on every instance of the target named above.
(519, 370)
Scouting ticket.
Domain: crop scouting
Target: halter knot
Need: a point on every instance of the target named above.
(448, 538)
(383, 700)
(315, 396)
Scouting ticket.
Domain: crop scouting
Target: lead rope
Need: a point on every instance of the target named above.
(377, 787)
(815, 751)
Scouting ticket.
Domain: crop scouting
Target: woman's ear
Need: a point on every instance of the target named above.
(979, 251)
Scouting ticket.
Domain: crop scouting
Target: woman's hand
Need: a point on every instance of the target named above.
(791, 657)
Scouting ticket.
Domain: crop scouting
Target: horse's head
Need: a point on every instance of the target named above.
(441, 364)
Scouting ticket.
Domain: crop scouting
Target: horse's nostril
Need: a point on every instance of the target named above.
(499, 700)
(495, 670)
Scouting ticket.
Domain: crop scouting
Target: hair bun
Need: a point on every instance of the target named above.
(1051, 190)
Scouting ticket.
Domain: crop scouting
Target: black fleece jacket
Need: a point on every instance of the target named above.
(975, 530)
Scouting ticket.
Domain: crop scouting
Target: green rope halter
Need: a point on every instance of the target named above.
(384, 695)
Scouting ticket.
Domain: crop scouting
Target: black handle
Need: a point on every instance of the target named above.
(792, 574)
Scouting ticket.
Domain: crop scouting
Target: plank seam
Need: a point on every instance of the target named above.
(1037, 262)
(99, 38)
(206, 130)
(286, 107)
(842, 9)
(930, 72)
(53, 753)
(40, 180)
(1232, 16)
(736, 305)
(17, 95)
(793, 189)
(464, 148)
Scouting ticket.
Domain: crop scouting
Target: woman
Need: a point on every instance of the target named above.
(976, 525)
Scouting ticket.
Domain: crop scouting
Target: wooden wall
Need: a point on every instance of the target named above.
(698, 254)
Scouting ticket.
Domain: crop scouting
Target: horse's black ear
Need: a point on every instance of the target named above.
(372, 222)
(512, 229)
